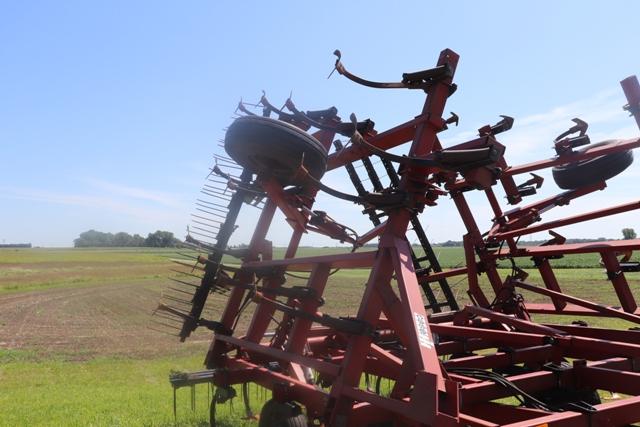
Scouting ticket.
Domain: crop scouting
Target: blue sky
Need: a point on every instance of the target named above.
(110, 112)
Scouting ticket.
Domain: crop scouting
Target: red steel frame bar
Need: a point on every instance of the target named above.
(568, 221)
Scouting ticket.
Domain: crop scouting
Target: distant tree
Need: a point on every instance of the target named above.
(628, 233)
(122, 239)
(137, 240)
(93, 238)
(161, 239)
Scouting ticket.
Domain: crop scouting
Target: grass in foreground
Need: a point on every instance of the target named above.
(102, 392)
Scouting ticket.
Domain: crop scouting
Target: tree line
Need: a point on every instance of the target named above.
(158, 239)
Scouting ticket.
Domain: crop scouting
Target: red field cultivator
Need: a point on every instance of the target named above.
(410, 355)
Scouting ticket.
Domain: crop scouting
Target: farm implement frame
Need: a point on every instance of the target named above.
(484, 364)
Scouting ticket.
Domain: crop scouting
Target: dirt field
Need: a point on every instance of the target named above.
(86, 304)
(105, 320)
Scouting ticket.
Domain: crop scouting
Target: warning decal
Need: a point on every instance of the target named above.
(423, 331)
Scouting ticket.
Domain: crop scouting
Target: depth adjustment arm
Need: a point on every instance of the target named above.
(314, 118)
(417, 80)
(453, 160)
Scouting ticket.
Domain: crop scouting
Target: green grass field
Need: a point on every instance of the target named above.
(76, 349)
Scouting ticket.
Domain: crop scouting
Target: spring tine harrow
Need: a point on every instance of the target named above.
(417, 351)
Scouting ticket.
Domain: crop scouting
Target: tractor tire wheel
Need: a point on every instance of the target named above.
(570, 176)
(272, 147)
(277, 414)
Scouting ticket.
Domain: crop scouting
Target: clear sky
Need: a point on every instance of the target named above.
(110, 112)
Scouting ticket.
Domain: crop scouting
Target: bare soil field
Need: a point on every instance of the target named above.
(108, 319)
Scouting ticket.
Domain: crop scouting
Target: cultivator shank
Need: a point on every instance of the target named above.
(410, 355)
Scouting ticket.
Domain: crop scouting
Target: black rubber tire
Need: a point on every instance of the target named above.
(277, 414)
(591, 171)
(272, 147)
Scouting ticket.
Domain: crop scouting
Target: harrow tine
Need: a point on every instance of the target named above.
(166, 316)
(200, 245)
(225, 207)
(181, 291)
(187, 255)
(221, 195)
(216, 208)
(202, 248)
(220, 185)
(227, 173)
(212, 226)
(218, 181)
(226, 163)
(166, 325)
(232, 166)
(166, 308)
(183, 282)
(209, 244)
(217, 196)
(217, 190)
(224, 158)
(178, 300)
(214, 223)
(186, 274)
(212, 229)
(212, 232)
(174, 299)
(223, 191)
(192, 266)
(162, 332)
(210, 213)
